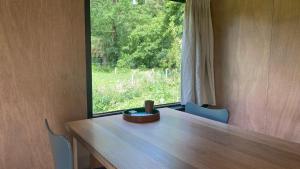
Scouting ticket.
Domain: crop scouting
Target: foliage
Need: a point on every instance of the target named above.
(135, 52)
(117, 90)
(136, 36)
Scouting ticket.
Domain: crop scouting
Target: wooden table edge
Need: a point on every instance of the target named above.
(89, 148)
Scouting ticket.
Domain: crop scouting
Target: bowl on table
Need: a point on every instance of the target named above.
(139, 115)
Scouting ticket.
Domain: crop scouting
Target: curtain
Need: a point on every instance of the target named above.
(197, 72)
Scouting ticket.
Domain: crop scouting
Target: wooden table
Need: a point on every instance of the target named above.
(181, 141)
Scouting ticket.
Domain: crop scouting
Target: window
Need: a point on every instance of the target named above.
(133, 50)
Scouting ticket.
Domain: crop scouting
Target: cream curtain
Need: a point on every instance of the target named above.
(197, 76)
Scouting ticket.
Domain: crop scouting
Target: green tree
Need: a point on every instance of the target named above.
(156, 43)
(146, 35)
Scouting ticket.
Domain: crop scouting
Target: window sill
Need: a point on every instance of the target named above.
(176, 106)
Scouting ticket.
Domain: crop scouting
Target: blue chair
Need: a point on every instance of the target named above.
(61, 150)
(220, 115)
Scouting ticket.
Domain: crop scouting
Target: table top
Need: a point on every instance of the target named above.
(181, 141)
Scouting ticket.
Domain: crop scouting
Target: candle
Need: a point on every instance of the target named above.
(149, 104)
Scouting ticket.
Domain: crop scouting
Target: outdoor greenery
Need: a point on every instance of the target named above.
(136, 48)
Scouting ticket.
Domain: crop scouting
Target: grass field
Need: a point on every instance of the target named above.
(118, 89)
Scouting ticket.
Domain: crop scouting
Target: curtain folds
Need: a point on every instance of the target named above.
(197, 76)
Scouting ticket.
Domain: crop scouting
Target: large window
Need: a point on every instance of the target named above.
(135, 53)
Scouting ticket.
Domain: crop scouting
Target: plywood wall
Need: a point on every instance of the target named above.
(257, 64)
(42, 75)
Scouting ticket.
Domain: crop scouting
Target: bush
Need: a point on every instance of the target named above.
(115, 91)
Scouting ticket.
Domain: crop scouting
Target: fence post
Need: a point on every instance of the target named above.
(166, 71)
(132, 76)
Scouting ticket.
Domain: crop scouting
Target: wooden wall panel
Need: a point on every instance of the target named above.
(257, 64)
(42, 75)
(242, 47)
(284, 89)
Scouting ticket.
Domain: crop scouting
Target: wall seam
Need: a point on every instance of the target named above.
(268, 69)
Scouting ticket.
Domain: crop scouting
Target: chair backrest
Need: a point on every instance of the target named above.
(220, 115)
(61, 150)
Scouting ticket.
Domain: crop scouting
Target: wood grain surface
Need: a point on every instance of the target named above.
(181, 140)
(42, 75)
(283, 109)
(257, 64)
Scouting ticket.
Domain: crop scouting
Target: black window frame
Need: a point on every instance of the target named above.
(89, 90)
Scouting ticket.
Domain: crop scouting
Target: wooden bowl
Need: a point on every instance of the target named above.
(140, 116)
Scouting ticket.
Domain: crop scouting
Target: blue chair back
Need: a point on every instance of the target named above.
(220, 115)
(61, 150)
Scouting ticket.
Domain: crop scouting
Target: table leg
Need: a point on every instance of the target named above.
(94, 163)
(75, 154)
